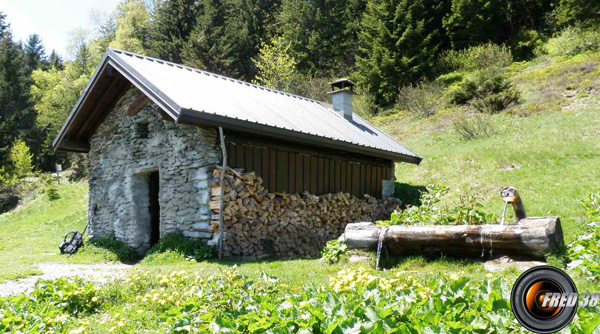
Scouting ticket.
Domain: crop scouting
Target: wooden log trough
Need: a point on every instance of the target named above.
(531, 237)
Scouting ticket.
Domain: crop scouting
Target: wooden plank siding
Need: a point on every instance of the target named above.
(295, 170)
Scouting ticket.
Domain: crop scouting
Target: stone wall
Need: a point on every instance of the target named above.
(125, 150)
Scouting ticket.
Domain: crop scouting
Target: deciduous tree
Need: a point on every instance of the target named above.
(276, 68)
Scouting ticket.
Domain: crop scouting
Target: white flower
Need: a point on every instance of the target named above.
(286, 305)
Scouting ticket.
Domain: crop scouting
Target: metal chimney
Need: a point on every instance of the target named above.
(341, 96)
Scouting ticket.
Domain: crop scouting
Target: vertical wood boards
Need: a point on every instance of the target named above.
(286, 170)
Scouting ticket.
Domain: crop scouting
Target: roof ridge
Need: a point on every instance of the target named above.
(129, 53)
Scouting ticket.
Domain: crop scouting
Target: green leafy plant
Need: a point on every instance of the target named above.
(50, 186)
(20, 159)
(483, 57)
(571, 41)
(467, 211)
(48, 307)
(525, 42)
(276, 67)
(487, 91)
(584, 252)
(424, 99)
(355, 300)
(334, 251)
(110, 249)
(176, 243)
(473, 126)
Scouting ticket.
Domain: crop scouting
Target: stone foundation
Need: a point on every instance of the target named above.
(125, 150)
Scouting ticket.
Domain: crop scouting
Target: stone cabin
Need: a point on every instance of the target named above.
(151, 132)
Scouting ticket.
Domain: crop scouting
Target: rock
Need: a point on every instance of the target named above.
(358, 258)
(505, 262)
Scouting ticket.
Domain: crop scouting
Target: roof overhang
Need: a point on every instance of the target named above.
(193, 117)
(110, 80)
(113, 77)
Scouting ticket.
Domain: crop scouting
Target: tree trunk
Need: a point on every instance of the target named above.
(532, 237)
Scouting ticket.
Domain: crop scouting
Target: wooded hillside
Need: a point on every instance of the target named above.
(293, 45)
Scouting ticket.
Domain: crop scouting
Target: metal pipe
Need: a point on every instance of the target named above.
(222, 204)
(511, 195)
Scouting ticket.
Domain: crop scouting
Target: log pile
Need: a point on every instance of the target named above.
(258, 223)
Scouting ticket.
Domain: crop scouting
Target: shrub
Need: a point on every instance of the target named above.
(449, 79)
(6, 178)
(311, 87)
(176, 242)
(424, 99)
(50, 186)
(110, 249)
(482, 57)
(576, 11)
(364, 105)
(276, 67)
(570, 42)
(48, 307)
(20, 159)
(467, 211)
(79, 165)
(524, 43)
(9, 198)
(473, 126)
(334, 251)
(486, 91)
(585, 251)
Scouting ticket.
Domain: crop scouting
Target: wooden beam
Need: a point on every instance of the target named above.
(105, 102)
(138, 104)
(110, 71)
(75, 145)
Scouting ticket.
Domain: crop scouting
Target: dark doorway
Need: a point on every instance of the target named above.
(153, 179)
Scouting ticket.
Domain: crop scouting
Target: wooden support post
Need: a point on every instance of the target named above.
(222, 183)
(58, 168)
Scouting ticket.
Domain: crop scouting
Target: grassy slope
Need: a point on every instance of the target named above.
(31, 233)
(552, 156)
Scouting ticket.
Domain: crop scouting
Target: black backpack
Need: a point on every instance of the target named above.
(73, 240)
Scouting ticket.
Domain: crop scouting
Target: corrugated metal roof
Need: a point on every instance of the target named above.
(187, 93)
(205, 92)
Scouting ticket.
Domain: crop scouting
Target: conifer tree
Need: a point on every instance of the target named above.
(322, 33)
(55, 60)
(210, 47)
(35, 54)
(399, 41)
(174, 21)
(472, 22)
(227, 35)
(15, 108)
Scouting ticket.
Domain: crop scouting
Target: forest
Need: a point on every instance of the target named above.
(296, 46)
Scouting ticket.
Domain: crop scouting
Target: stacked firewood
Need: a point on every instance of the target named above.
(259, 224)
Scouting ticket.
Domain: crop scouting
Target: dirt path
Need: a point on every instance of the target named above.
(95, 272)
